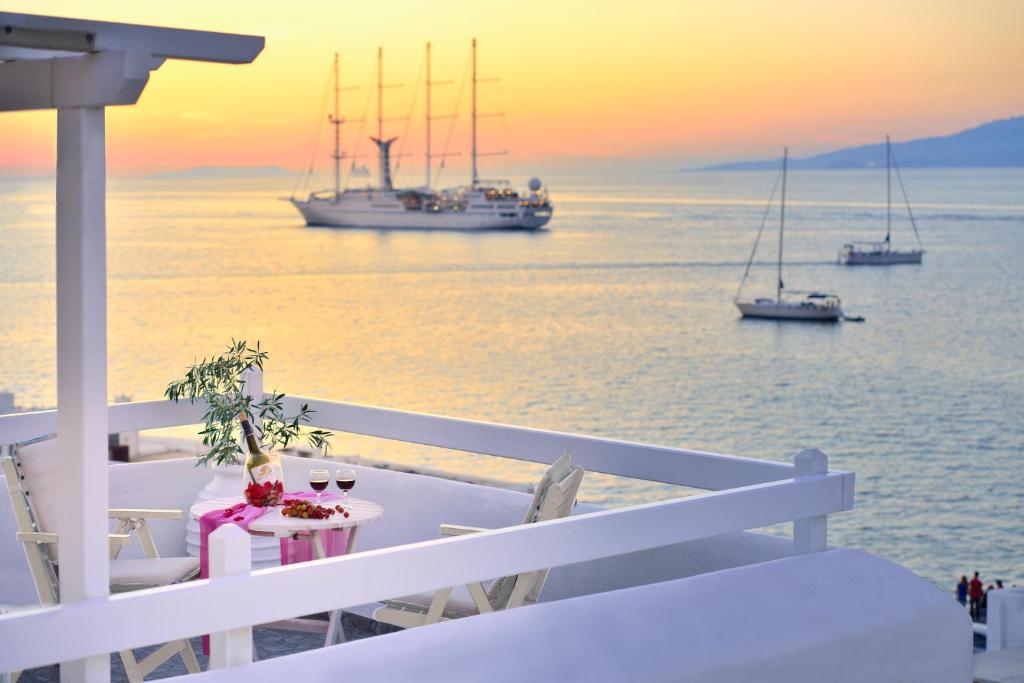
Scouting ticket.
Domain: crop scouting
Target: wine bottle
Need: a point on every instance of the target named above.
(259, 466)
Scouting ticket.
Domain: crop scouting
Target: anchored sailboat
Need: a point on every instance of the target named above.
(482, 205)
(787, 305)
(882, 253)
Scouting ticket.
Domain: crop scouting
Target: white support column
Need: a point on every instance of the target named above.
(230, 555)
(82, 367)
(810, 535)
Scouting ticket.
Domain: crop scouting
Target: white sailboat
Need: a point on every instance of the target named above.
(482, 205)
(882, 253)
(787, 305)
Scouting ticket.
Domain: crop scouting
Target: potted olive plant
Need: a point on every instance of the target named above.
(219, 381)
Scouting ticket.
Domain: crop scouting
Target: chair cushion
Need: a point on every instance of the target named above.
(558, 471)
(128, 575)
(39, 465)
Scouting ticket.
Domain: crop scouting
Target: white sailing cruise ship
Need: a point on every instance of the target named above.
(491, 205)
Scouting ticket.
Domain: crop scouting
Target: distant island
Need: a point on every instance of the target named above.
(998, 144)
(224, 172)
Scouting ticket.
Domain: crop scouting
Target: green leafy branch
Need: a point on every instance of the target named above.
(220, 381)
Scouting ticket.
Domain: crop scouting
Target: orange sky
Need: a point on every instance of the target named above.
(686, 80)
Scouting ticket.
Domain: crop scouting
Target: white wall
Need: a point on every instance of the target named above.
(163, 484)
(841, 616)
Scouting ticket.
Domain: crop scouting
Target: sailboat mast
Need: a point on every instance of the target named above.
(782, 222)
(336, 122)
(473, 151)
(888, 191)
(428, 115)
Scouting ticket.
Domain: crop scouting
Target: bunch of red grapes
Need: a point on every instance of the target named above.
(265, 494)
(296, 507)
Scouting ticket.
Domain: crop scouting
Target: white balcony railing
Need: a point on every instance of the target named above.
(747, 494)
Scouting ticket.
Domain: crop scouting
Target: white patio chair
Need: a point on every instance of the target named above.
(31, 472)
(553, 498)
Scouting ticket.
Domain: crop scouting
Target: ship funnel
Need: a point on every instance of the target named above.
(384, 147)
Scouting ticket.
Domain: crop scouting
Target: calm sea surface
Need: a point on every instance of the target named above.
(618, 321)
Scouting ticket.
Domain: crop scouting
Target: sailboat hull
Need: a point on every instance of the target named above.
(784, 310)
(881, 258)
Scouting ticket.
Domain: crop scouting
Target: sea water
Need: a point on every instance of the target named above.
(617, 321)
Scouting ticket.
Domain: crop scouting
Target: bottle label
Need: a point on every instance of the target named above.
(262, 473)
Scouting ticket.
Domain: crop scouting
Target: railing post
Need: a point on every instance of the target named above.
(810, 535)
(252, 386)
(230, 555)
(1005, 619)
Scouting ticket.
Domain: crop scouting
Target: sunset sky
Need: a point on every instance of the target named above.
(687, 81)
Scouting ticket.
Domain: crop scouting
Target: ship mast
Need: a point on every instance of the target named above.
(335, 120)
(428, 116)
(888, 192)
(476, 115)
(473, 152)
(380, 93)
(782, 222)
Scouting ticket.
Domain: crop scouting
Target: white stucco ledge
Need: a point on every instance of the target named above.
(841, 615)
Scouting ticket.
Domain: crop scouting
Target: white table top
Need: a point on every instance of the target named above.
(274, 523)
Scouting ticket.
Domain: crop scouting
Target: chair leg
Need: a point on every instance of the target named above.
(483, 604)
(131, 666)
(137, 671)
(437, 605)
(335, 630)
(188, 656)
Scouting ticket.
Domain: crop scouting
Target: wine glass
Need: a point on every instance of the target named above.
(345, 479)
(319, 479)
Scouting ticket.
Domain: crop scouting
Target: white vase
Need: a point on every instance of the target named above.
(227, 482)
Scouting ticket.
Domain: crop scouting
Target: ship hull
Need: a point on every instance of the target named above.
(342, 214)
(790, 311)
(881, 258)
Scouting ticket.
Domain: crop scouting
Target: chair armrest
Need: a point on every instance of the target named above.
(36, 537)
(127, 513)
(115, 541)
(46, 537)
(459, 530)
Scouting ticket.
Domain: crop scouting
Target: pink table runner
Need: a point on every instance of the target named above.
(292, 550)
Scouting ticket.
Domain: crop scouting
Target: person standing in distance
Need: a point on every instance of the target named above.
(976, 592)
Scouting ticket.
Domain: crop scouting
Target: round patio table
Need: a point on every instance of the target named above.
(273, 523)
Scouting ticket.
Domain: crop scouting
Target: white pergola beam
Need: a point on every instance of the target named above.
(91, 80)
(59, 33)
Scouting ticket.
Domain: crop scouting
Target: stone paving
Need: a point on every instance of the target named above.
(269, 643)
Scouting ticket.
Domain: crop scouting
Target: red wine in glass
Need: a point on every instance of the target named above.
(318, 480)
(345, 479)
